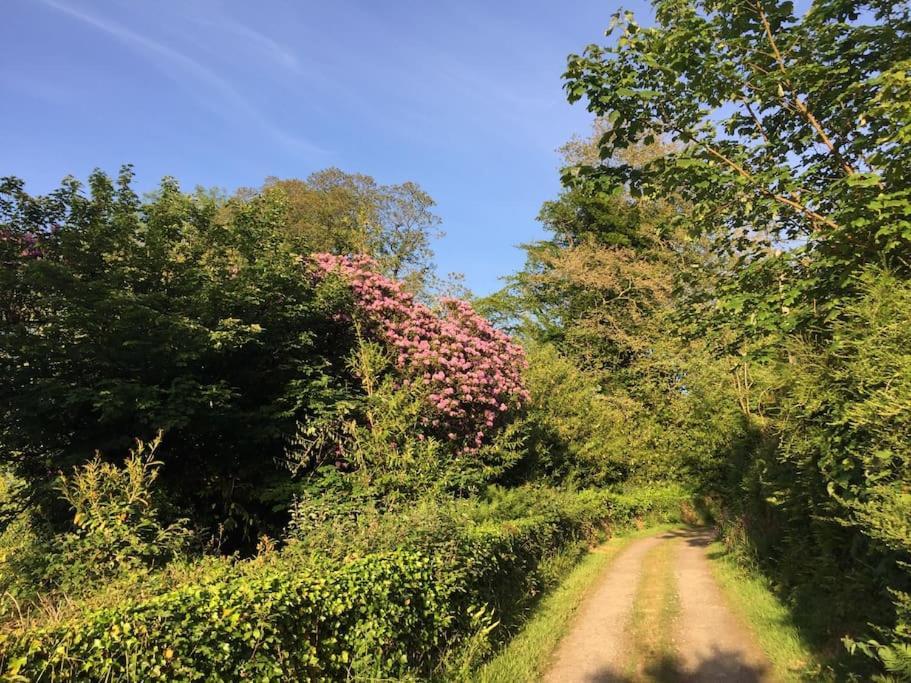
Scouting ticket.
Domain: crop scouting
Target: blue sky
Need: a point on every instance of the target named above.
(462, 97)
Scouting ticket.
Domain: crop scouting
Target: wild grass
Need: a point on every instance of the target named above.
(526, 657)
(788, 648)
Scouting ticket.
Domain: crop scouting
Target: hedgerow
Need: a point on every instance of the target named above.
(291, 616)
(269, 624)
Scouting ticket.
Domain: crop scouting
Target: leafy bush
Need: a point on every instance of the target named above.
(380, 451)
(183, 313)
(269, 623)
(22, 558)
(573, 428)
(291, 615)
(832, 477)
(116, 528)
(681, 422)
(117, 542)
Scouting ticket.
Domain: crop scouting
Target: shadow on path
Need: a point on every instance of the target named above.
(696, 537)
(709, 643)
(721, 666)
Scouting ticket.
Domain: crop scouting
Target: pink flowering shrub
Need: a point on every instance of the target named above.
(23, 245)
(471, 372)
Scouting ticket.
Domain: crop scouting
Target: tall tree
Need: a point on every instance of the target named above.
(598, 301)
(793, 163)
(793, 139)
(342, 213)
(601, 286)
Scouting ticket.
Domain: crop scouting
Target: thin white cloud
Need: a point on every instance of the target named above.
(272, 49)
(182, 65)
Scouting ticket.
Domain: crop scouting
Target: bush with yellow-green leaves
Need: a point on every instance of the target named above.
(302, 614)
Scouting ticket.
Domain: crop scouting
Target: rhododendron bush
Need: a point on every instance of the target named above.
(471, 372)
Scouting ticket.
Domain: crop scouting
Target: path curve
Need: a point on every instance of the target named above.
(711, 643)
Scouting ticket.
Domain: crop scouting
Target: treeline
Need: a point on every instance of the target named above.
(245, 436)
(729, 267)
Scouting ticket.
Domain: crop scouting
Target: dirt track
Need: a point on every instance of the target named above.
(708, 641)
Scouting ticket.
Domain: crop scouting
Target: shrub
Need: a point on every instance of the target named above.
(116, 527)
(183, 313)
(575, 429)
(471, 371)
(377, 450)
(268, 623)
(832, 477)
(289, 615)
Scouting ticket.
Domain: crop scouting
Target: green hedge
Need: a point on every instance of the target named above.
(275, 624)
(386, 614)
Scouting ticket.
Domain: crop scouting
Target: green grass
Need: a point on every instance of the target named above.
(652, 655)
(770, 620)
(525, 657)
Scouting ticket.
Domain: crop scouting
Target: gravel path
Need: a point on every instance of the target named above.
(710, 642)
(597, 639)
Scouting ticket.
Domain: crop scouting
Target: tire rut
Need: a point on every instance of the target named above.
(712, 644)
(597, 638)
(709, 641)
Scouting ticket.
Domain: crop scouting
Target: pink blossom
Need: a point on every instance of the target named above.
(467, 364)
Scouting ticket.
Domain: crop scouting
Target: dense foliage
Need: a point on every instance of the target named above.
(310, 495)
(792, 136)
(731, 254)
(396, 597)
(335, 474)
(183, 314)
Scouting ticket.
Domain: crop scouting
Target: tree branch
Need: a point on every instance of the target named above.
(756, 120)
(782, 199)
(800, 104)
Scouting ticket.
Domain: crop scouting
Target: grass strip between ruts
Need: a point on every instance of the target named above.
(526, 657)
